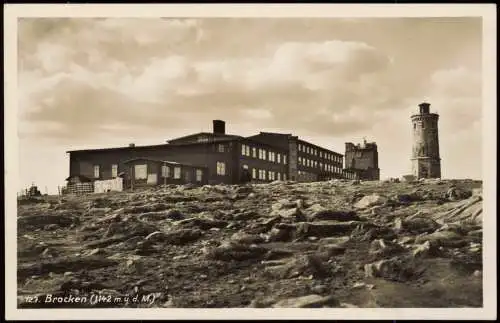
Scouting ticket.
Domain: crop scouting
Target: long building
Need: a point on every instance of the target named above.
(210, 158)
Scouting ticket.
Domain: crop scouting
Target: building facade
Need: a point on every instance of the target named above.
(211, 158)
(361, 161)
(426, 161)
(308, 162)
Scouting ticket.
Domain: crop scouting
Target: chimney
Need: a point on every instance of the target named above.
(424, 108)
(131, 145)
(219, 127)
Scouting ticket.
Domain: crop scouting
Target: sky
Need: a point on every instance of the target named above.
(108, 82)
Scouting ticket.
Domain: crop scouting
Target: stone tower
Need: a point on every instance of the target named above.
(363, 159)
(425, 159)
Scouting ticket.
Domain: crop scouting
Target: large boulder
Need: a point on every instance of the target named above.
(334, 215)
(370, 200)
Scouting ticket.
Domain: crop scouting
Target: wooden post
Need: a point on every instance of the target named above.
(164, 175)
(131, 179)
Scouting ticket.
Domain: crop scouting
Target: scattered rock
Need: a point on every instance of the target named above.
(425, 249)
(309, 301)
(380, 247)
(455, 194)
(203, 224)
(300, 266)
(244, 238)
(40, 221)
(395, 269)
(326, 228)
(228, 251)
(416, 225)
(333, 215)
(443, 238)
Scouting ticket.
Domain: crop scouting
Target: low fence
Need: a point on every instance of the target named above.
(80, 188)
(104, 186)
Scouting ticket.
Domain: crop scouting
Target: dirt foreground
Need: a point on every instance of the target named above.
(283, 244)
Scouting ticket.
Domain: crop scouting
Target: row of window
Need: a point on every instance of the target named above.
(263, 154)
(315, 152)
(141, 172)
(262, 174)
(313, 163)
(350, 175)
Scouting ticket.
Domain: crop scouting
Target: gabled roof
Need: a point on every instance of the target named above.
(119, 148)
(80, 177)
(275, 133)
(208, 134)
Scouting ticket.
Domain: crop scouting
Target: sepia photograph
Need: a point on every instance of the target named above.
(185, 157)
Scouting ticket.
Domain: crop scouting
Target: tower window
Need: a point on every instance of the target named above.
(414, 126)
(423, 125)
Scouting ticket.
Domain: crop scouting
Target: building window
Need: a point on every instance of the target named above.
(245, 166)
(221, 168)
(165, 171)
(270, 175)
(199, 175)
(245, 150)
(300, 147)
(300, 160)
(284, 159)
(254, 152)
(114, 170)
(315, 164)
(141, 171)
(271, 156)
(414, 126)
(262, 174)
(262, 154)
(220, 148)
(423, 125)
(278, 176)
(97, 171)
(254, 173)
(278, 158)
(284, 177)
(177, 172)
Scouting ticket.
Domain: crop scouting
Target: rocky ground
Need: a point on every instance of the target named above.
(283, 244)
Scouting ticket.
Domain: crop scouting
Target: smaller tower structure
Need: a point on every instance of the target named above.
(362, 159)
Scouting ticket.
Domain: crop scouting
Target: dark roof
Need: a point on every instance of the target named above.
(120, 148)
(211, 134)
(80, 177)
(322, 148)
(275, 133)
(290, 135)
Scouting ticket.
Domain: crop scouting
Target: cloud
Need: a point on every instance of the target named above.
(167, 72)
